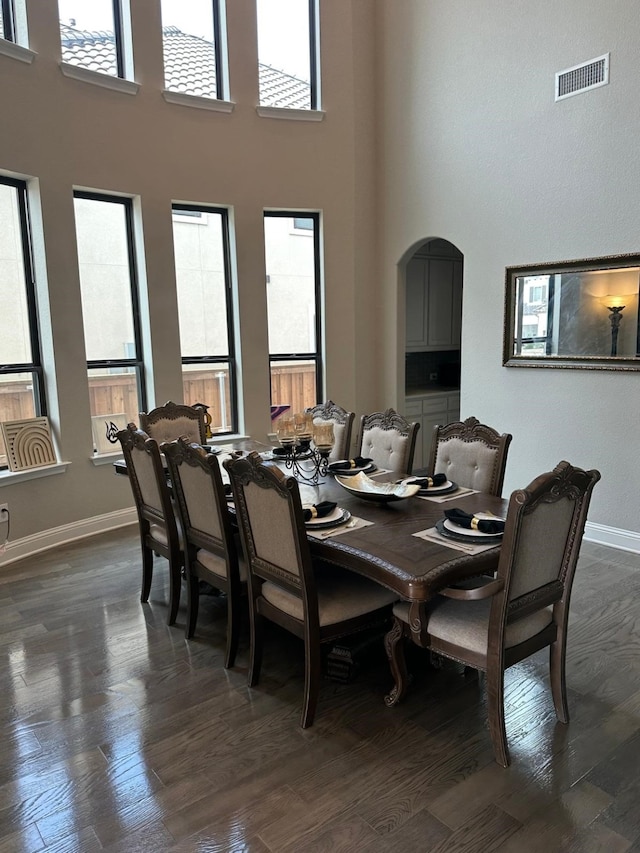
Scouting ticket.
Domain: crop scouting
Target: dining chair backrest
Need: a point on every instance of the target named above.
(157, 523)
(389, 440)
(471, 454)
(147, 476)
(342, 421)
(270, 518)
(198, 492)
(174, 420)
(541, 542)
(212, 554)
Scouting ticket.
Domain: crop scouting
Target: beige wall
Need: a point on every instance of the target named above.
(475, 150)
(67, 134)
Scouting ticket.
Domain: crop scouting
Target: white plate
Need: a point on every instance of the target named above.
(336, 517)
(348, 472)
(466, 531)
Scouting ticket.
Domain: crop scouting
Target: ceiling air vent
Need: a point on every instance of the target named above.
(580, 78)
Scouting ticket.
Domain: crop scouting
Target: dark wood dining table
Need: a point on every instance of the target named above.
(387, 551)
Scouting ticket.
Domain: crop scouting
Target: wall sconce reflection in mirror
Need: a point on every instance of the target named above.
(570, 314)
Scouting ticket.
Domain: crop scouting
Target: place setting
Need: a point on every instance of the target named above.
(465, 531)
(437, 488)
(326, 519)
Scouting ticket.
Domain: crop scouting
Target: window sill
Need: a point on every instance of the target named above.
(106, 458)
(86, 75)
(10, 478)
(290, 115)
(17, 51)
(197, 102)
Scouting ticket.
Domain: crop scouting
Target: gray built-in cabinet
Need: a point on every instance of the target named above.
(433, 302)
(429, 410)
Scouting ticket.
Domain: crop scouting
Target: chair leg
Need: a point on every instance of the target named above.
(193, 604)
(557, 656)
(147, 573)
(495, 703)
(233, 629)
(312, 673)
(255, 651)
(394, 646)
(175, 582)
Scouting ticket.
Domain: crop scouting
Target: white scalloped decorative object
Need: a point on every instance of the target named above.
(28, 443)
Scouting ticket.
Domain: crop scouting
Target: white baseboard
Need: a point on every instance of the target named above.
(601, 534)
(623, 540)
(46, 539)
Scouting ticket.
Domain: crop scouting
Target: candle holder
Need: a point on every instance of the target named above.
(307, 462)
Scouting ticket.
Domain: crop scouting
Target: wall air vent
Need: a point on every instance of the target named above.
(580, 78)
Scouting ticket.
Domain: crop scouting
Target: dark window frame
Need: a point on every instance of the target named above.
(230, 358)
(34, 367)
(8, 20)
(316, 356)
(313, 54)
(118, 31)
(137, 361)
(219, 65)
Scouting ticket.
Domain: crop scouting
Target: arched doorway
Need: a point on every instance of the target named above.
(433, 321)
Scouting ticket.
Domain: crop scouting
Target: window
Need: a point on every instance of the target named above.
(108, 284)
(205, 311)
(91, 35)
(192, 44)
(293, 304)
(21, 378)
(7, 20)
(287, 54)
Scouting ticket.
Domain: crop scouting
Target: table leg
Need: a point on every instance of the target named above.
(394, 646)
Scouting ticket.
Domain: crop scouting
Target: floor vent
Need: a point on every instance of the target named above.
(580, 78)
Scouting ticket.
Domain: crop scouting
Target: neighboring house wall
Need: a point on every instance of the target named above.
(476, 151)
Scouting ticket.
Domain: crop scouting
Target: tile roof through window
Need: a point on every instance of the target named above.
(189, 65)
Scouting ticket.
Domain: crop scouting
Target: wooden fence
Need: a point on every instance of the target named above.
(116, 393)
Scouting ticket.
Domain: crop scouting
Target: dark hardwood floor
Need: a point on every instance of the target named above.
(119, 735)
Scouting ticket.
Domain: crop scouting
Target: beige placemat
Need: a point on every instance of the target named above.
(432, 535)
(354, 523)
(454, 496)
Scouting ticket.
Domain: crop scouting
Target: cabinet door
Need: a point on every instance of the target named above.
(440, 305)
(416, 304)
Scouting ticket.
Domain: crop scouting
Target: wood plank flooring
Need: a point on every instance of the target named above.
(119, 735)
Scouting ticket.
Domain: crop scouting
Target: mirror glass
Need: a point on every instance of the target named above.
(574, 314)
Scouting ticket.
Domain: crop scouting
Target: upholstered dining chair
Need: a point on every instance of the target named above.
(173, 420)
(471, 454)
(388, 439)
(211, 549)
(313, 601)
(499, 622)
(342, 421)
(159, 533)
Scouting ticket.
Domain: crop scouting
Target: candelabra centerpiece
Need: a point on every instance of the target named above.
(306, 446)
